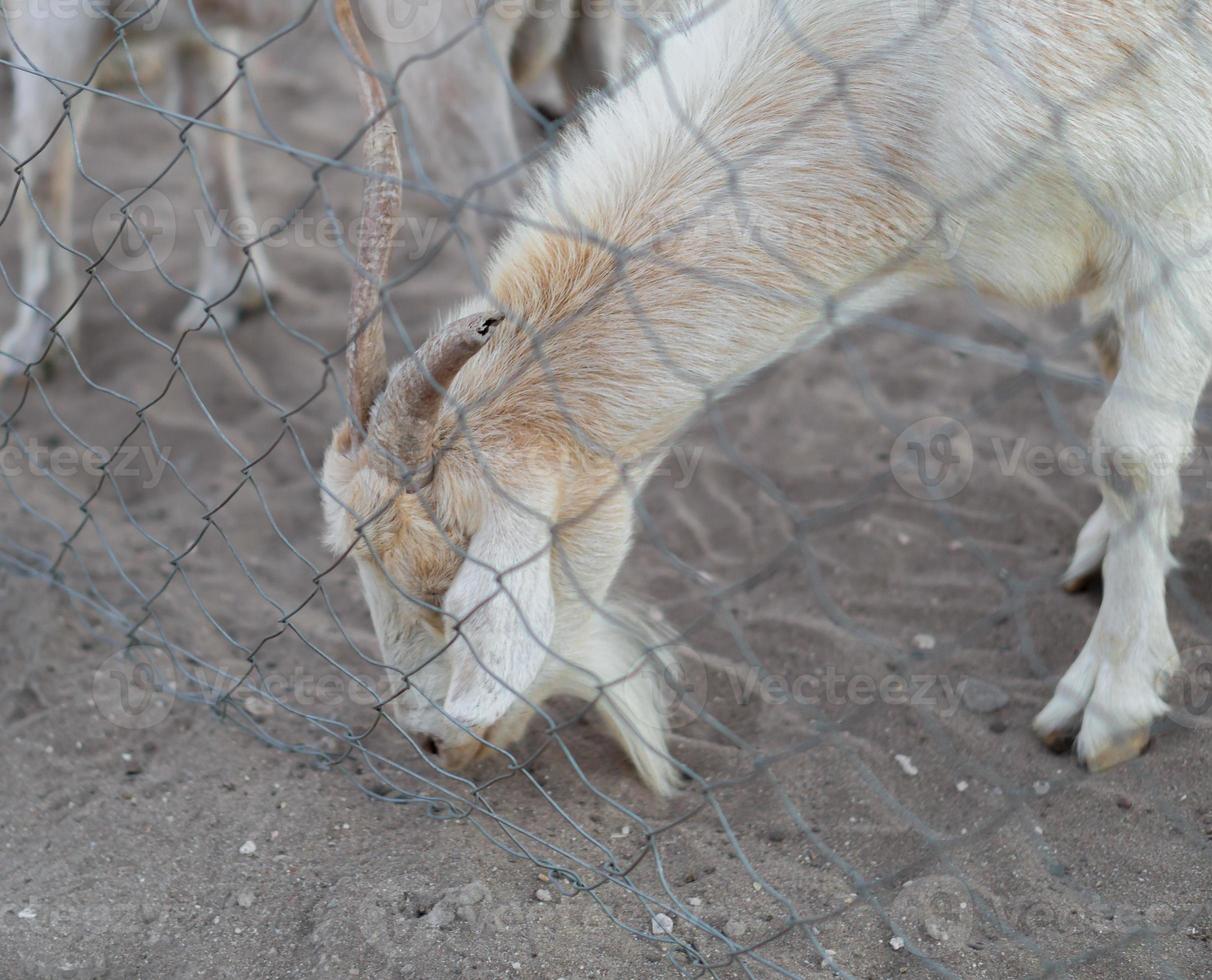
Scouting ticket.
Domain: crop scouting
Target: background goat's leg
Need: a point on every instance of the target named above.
(50, 272)
(227, 209)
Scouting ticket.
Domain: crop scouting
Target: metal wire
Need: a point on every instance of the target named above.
(152, 546)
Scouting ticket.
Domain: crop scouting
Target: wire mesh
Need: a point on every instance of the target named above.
(154, 477)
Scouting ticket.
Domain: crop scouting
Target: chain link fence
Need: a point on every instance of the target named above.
(853, 562)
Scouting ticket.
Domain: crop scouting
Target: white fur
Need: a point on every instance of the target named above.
(503, 608)
(751, 199)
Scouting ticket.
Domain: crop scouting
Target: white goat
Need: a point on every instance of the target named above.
(458, 111)
(56, 46)
(778, 175)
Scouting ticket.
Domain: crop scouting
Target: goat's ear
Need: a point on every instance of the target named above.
(503, 607)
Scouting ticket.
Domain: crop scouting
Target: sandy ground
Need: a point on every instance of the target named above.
(157, 838)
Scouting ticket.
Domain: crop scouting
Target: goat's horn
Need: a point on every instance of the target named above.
(366, 352)
(404, 422)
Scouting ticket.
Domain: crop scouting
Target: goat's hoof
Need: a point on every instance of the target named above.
(1059, 740)
(1123, 749)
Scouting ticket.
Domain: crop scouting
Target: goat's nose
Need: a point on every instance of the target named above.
(430, 745)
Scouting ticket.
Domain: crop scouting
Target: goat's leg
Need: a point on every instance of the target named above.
(538, 43)
(594, 56)
(229, 287)
(1142, 433)
(1091, 547)
(457, 134)
(50, 272)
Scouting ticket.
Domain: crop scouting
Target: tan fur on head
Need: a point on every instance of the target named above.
(371, 515)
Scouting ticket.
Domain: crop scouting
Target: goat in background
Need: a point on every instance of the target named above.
(460, 76)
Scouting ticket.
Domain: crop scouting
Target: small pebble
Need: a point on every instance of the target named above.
(1041, 787)
(244, 899)
(906, 764)
(440, 916)
(1123, 803)
(897, 943)
(962, 786)
(248, 847)
(695, 903)
(662, 925)
(27, 913)
(924, 641)
(982, 697)
(543, 895)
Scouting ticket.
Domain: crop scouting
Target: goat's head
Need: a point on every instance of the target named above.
(429, 543)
